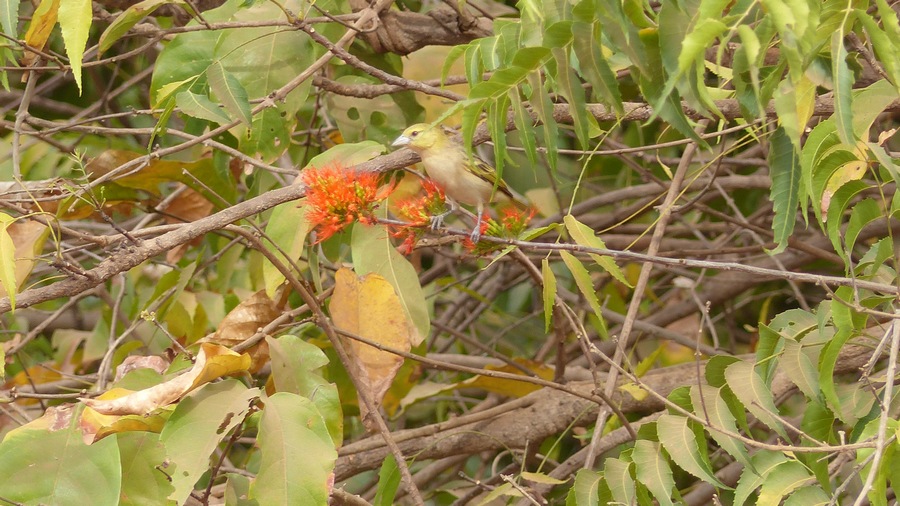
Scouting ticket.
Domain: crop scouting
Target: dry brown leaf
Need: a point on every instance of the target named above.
(369, 307)
(213, 361)
(188, 206)
(245, 320)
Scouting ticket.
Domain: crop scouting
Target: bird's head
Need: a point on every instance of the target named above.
(420, 137)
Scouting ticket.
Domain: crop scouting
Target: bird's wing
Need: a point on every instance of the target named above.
(486, 172)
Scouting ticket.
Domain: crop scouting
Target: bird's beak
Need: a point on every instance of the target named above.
(401, 141)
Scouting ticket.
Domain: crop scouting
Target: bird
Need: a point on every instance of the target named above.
(463, 179)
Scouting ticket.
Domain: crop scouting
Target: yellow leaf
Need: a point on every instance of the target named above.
(637, 392)
(850, 171)
(509, 387)
(21, 243)
(42, 23)
(369, 307)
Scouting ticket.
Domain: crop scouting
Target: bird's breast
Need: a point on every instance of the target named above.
(448, 171)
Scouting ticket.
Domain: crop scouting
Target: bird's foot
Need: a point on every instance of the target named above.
(437, 221)
(475, 236)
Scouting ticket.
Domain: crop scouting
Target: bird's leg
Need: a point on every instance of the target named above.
(438, 220)
(475, 236)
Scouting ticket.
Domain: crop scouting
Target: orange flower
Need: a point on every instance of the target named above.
(337, 197)
(514, 221)
(485, 225)
(418, 212)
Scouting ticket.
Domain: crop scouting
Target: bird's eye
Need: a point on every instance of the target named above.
(414, 133)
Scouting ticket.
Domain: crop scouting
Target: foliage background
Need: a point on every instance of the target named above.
(704, 308)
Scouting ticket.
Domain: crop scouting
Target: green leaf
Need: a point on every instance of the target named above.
(388, 483)
(652, 469)
(794, 103)
(841, 199)
(694, 46)
(868, 104)
(201, 107)
(548, 292)
(268, 137)
(666, 102)
(128, 18)
(584, 235)
(570, 88)
(810, 495)
(44, 466)
(618, 476)
(826, 370)
(454, 54)
(822, 175)
(709, 404)
(230, 92)
(863, 213)
(372, 251)
(297, 453)
(474, 68)
(142, 456)
(295, 369)
(754, 394)
(182, 62)
(237, 490)
(715, 369)
(800, 369)
(585, 491)
(525, 126)
(752, 477)
(782, 480)
(888, 20)
(823, 137)
(746, 73)
(542, 105)
(585, 285)
(500, 83)
(878, 493)
(75, 23)
(595, 67)
(285, 236)
(843, 84)
(200, 422)
(885, 50)
(348, 154)
(784, 163)
(497, 113)
(681, 442)
(9, 17)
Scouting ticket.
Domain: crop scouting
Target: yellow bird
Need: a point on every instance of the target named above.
(470, 181)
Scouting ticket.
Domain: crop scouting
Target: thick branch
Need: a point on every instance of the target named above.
(131, 257)
(545, 412)
(403, 32)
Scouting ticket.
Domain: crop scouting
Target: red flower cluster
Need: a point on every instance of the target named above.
(337, 197)
(512, 223)
(418, 212)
